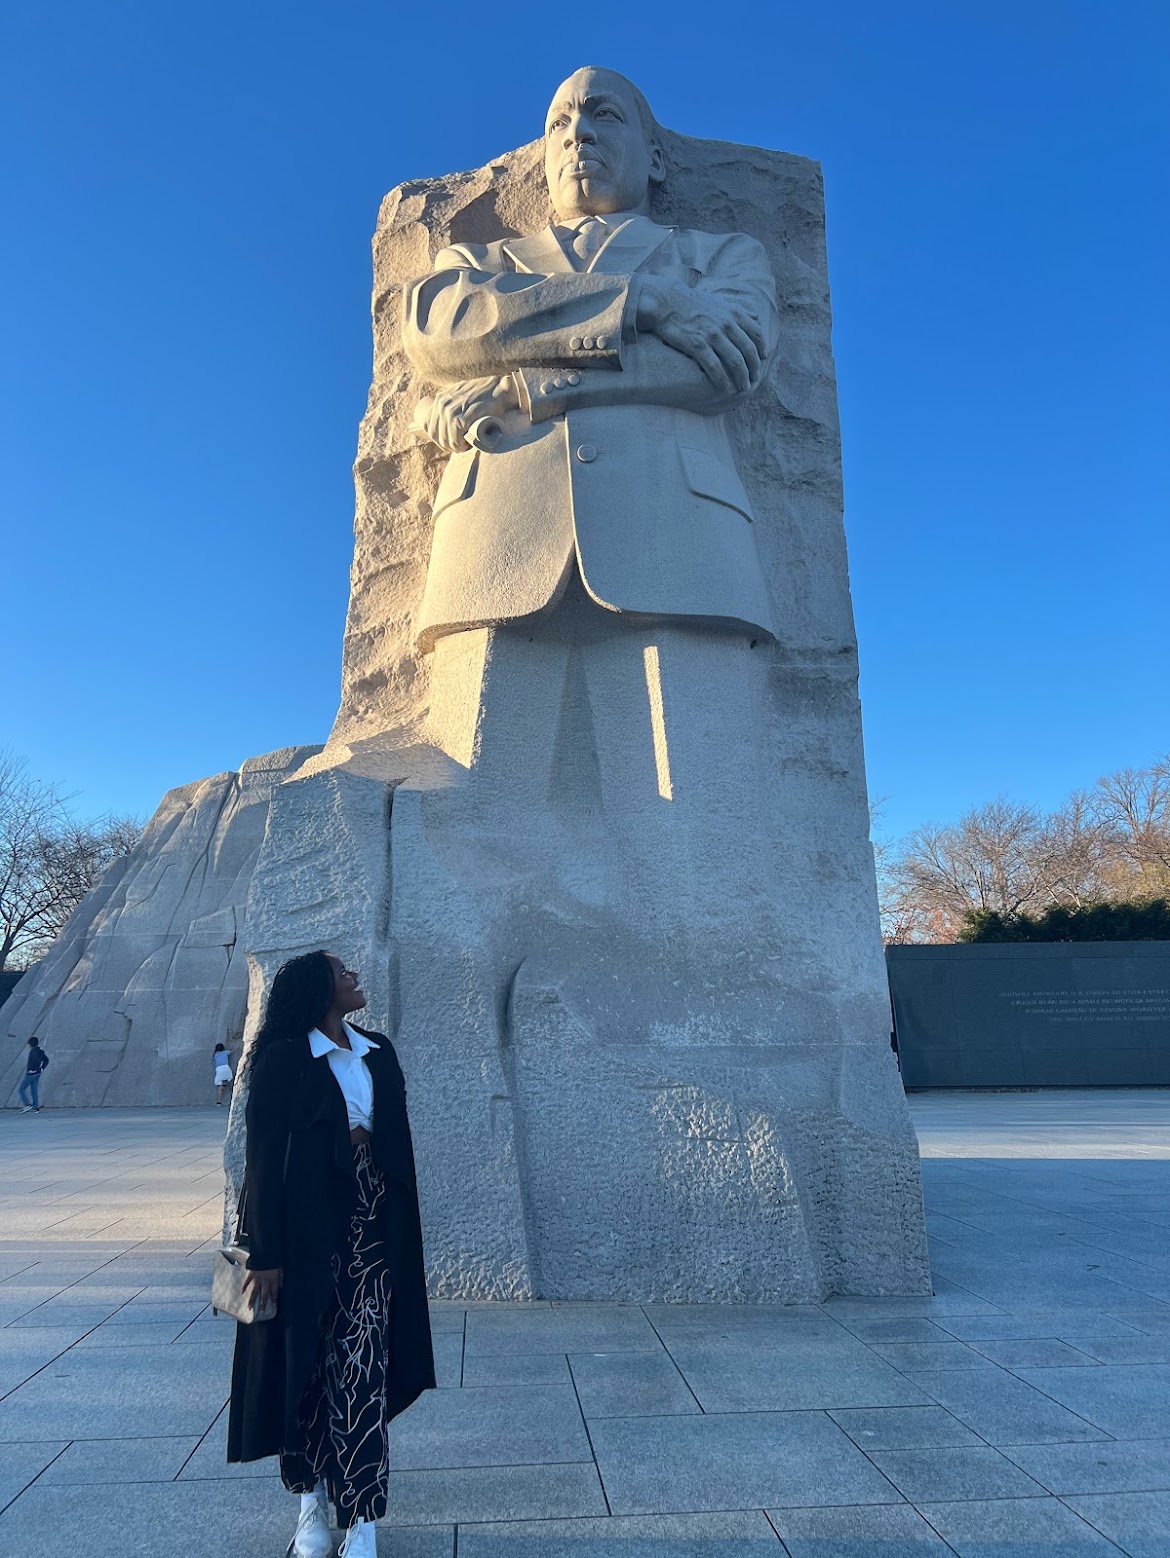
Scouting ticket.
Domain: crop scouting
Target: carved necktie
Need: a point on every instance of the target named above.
(588, 238)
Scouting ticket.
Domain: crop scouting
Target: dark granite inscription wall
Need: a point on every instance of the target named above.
(1060, 1014)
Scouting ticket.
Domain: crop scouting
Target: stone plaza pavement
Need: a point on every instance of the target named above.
(1022, 1411)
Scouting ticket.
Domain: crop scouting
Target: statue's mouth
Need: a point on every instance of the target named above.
(583, 165)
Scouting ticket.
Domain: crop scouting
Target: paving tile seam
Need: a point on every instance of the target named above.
(4, 1394)
(1014, 1368)
(1063, 1499)
(921, 1512)
(784, 1548)
(588, 1436)
(935, 1406)
(195, 1321)
(1051, 1497)
(32, 1480)
(673, 1359)
(411, 1471)
(46, 1301)
(815, 1508)
(908, 1373)
(1065, 1407)
(209, 1429)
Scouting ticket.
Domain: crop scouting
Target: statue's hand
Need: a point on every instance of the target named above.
(445, 418)
(717, 333)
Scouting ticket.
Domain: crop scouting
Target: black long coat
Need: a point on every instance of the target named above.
(301, 1191)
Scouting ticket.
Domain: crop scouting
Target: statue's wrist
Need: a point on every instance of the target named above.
(651, 302)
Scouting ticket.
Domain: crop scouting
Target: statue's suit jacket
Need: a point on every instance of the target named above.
(619, 455)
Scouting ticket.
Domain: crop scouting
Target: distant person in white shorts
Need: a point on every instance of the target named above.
(223, 1072)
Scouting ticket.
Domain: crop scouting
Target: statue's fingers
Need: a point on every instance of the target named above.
(747, 349)
(748, 322)
(712, 366)
(452, 429)
(732, 359)
(435, 421)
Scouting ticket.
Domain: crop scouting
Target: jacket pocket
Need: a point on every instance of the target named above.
(712, 478)
(458, 480)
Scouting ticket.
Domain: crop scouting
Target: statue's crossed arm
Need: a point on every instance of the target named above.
(551, 343)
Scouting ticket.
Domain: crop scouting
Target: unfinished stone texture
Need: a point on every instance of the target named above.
(607, 880)
(646, 1036)
(149, 973)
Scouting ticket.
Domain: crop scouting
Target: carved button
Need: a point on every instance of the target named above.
(575, 343)
(602, 342)
(574, 378)
(587, 343)
(586, 452)
(560, 382)
(546, 387)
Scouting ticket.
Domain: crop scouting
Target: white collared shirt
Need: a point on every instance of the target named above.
(352, 1073)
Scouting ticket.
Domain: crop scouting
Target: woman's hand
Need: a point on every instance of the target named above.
(263, 1287)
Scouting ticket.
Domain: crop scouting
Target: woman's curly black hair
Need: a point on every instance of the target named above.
(301, 995)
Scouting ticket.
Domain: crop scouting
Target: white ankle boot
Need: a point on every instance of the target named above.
(312, 1537)
(361, 1540)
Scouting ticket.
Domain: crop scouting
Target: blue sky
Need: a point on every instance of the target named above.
(188, 201)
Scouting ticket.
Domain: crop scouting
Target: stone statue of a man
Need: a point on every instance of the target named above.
(599, 355)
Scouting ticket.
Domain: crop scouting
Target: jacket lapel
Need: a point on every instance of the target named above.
(392, 1145)
(321, 1099)
(541, 254)
(629, 246)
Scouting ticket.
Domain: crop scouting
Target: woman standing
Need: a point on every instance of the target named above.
(332, 1221)
(223, 1071)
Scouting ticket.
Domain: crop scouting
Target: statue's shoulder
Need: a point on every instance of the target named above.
(707, 252)
(475, 256)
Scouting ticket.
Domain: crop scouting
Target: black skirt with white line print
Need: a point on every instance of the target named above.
(342, 1423)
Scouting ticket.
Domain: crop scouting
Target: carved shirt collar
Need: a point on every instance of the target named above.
(610, 219)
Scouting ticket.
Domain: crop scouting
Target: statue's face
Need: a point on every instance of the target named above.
(596, 155)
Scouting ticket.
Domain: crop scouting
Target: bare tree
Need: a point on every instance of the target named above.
(48, 860)
(1079, 853)
(1107, 844)
(903, 918)
(1133, 806)
(992, 858)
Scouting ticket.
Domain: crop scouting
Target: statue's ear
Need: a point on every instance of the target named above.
(657, 165)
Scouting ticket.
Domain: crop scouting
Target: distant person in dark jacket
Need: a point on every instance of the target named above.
(30, 1085)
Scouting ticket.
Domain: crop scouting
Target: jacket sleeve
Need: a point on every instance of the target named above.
(653, 373)
(464, 322)
(267, 1124)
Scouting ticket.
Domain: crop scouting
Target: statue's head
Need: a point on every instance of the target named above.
(601, 147)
